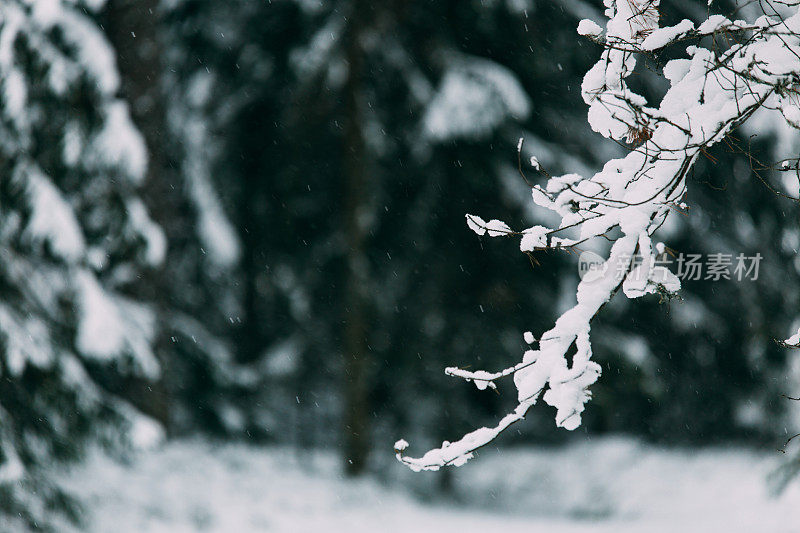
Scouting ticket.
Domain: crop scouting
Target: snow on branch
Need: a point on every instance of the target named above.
(712, 90)
(791, 342)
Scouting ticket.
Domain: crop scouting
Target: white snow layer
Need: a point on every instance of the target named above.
(119, 143)
(215, 229)
(218, 236)
(111, 326)
(606, 486)
(52, 219)
(589, 28)
(476, 95)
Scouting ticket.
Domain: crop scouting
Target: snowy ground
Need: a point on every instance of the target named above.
(606, 486)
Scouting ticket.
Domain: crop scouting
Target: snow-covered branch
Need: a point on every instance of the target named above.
(712, 90)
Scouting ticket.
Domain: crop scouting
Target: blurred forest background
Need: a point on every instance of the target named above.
(245, 219)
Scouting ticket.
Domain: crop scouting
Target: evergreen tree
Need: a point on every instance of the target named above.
(75, 237)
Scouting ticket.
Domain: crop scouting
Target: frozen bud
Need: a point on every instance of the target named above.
(476, 224)
(794, 340)
(497, 228)
(589, 28)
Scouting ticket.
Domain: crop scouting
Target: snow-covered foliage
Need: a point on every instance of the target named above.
(215, 230)
(732, 69)
(74, 234)
(474, 97)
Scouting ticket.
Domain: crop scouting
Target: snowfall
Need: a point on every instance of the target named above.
(607, 485)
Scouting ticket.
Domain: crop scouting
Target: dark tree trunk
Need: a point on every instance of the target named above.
(355, 349)
(132, 27)
(250, 341)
